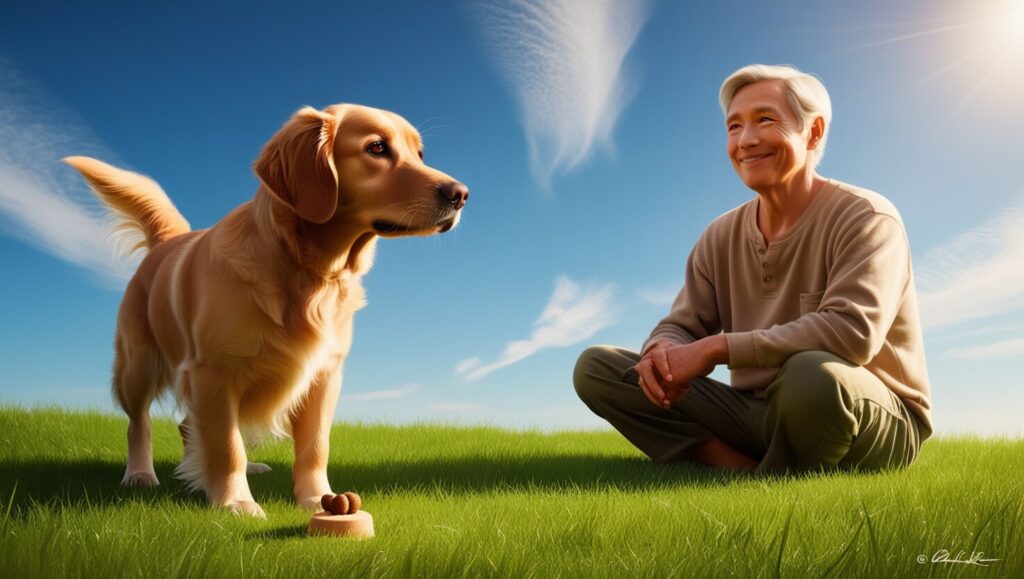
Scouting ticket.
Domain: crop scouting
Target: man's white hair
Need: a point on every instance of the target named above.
(806, 95)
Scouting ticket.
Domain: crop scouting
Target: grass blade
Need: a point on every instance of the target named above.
(10, 506)
(782, 540)
(846, 550)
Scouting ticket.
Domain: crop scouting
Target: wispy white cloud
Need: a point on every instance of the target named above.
(565, 60)
(395, 394)
(1017, 328)
(42, 202)
(465, 366)
(1005, 349)
(573, 314)
(662, 295)
(975, 275)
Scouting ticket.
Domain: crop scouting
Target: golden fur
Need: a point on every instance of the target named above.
(248, 322)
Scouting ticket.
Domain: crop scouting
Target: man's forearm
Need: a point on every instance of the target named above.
(667, 336)
(718, 349)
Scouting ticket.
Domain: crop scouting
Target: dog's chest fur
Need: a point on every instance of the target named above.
(309, 337)
(321, 326)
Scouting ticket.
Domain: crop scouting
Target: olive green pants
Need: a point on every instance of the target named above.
(820, 412)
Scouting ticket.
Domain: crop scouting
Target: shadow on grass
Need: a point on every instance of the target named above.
(287, 532)
(68, 484)
(535, 473)
(62, 484)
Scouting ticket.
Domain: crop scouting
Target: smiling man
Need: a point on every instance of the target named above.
(805, 291)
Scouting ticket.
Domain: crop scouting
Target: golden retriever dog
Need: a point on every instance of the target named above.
(248, 322)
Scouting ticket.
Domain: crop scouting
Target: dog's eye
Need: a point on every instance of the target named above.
(378, 149)
(421, 155)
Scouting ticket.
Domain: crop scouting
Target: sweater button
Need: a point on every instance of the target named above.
(767, 278)
(765, 265)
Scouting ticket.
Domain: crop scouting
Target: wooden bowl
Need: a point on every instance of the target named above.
(358, 525)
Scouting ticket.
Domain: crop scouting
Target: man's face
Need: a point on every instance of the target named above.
(765, 144)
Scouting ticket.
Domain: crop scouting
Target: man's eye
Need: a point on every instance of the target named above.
(763, 120)
(378, 148)
(733, 127)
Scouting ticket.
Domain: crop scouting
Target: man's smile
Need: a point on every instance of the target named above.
(754, 158)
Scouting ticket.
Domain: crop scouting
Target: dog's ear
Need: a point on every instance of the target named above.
(297, 165)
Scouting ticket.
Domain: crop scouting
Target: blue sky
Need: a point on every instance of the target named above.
(590, 136)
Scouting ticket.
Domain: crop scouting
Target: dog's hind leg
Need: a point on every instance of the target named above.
(136, 383)
(257, 468)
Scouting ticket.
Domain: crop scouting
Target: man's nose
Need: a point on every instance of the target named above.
(748, 137)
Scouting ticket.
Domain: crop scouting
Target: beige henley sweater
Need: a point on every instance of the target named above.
(839, 280)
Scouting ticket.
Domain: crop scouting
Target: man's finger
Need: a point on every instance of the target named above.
(661, 363)
(652, 388)
(647, 393)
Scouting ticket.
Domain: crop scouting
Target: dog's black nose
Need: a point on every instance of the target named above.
(455, 193)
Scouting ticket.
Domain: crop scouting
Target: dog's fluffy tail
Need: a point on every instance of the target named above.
(141, 204)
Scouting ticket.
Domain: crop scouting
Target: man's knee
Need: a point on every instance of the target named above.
(590, 370)
(810, 388)
(810, 421)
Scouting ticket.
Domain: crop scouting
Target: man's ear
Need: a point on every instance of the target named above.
(297, 165)
(817, 132)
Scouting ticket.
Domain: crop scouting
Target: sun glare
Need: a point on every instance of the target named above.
(1005, 29)
(982, 46)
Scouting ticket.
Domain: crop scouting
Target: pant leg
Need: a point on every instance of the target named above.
(607, 383)
(824, 413)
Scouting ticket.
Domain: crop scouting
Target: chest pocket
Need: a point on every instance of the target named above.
(809, 302)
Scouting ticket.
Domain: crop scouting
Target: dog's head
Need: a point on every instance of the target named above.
(361, 163)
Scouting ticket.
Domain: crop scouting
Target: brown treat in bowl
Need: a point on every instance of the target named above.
(354, 502)
(339, 505)
(325, 502)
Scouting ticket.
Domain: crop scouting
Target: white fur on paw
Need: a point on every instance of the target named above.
(140, 479)
(312, 503)
(248, 509)
(256, 468)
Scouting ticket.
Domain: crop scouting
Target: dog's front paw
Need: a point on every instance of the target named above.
(311, 503)
(309, 488)
(140, 478)
(247, 509)
(257, 468)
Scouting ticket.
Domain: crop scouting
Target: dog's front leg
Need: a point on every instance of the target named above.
(218, 448)
(251, 468)
(311, 429)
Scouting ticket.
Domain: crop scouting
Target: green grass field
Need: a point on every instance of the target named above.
(461, 501)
